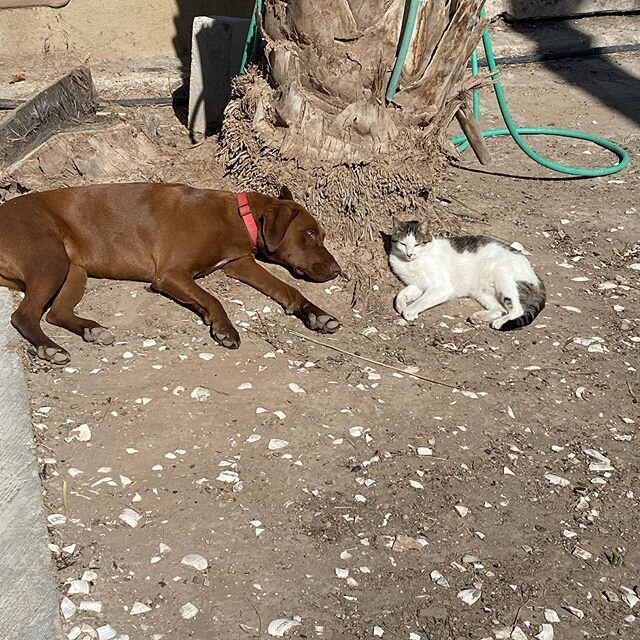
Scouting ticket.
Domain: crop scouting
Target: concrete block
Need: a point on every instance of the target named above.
(28, 600)
(541, 9)
(216, 54)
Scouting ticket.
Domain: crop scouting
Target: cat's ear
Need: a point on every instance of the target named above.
(423, 229)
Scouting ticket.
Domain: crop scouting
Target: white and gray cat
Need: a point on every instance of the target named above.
(490, 271)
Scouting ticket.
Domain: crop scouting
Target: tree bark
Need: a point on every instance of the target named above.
(315, 114)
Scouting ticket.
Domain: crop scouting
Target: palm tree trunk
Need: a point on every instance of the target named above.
(315, 114)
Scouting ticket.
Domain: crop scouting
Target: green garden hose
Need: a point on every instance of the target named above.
(251, 43)
(517, 132)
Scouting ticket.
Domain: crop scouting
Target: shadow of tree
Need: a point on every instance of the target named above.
(601, 76)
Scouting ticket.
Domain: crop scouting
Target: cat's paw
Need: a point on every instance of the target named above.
(485, 316)
(410, 314)
(400, 304)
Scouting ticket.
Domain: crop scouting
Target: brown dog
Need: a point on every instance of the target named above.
(163, 234)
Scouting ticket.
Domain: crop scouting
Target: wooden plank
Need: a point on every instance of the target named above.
(67, 102)
(471, 129)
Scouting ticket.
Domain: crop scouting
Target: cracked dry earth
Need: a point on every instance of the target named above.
(290, 489)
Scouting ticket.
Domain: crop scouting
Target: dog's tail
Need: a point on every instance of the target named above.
(532, 299)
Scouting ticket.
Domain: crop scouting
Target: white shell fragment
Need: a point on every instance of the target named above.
(546, 632)
(196, 561)
(188, 611)
(228, 476)
(296, 388)
(462, 511)
(439, 579)
(470, 596)
(106, 632)
(276, 443)
(138, 608)
(557, 480)
(578, 613)
(551, 616)
(277, 628)
(200, 394)
(629, 596)
(130, 517)
(518, 634)
(81, 433)
(78, 586)
(67, 608)
(94, 606)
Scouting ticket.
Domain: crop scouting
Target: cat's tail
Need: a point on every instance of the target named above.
(532, 299)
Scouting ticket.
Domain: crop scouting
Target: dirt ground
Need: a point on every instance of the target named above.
(355, 500)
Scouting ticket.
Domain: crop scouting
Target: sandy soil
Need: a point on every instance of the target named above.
(357, 500)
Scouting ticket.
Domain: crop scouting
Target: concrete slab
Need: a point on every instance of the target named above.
(28, 600)
(216, 54)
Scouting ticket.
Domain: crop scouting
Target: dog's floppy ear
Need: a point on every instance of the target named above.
(285, 193)
(275, 223)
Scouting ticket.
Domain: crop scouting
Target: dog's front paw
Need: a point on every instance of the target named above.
(410, 314)
(226, 336)
(99, 335)
(318, 320)
(50, 354)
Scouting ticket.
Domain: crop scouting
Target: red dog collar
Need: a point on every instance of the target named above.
(247, 217)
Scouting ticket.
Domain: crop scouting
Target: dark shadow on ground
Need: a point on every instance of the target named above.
(601, 76)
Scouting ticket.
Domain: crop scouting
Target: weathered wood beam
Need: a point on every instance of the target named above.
(63, 104)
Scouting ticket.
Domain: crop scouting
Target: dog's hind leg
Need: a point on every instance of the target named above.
(61, 313)
(42, 282)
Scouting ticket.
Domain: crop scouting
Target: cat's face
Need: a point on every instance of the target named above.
(408, 239)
